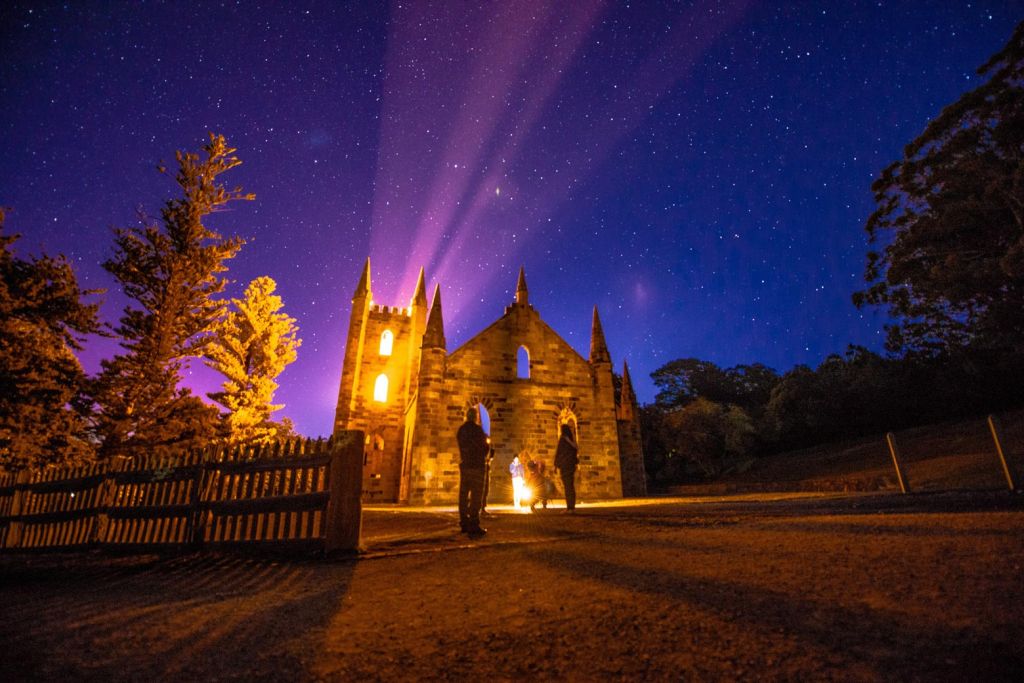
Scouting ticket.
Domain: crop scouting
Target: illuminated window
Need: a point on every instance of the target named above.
(523, 363)
(387, 340)
(380, 389)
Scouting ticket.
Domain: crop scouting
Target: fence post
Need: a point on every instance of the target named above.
(14, 530)
(200, 494)
(345, 483)
(890, 438)
(993, 426)
(105, 500)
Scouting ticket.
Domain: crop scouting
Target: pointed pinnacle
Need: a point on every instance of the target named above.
(627, 395)
(522, 294)
(419, 297)
(598, 347)
(434, 336)
(363, 288)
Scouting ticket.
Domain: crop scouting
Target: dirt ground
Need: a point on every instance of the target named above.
(865, 587)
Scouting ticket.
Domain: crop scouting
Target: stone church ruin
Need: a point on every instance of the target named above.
(401, 386)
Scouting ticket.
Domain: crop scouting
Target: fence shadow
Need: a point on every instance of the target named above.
(166, 618)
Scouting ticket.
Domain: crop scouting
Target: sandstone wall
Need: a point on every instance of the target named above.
(383, 422)
(525, 413)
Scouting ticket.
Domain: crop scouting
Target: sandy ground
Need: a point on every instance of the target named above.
(869, 587)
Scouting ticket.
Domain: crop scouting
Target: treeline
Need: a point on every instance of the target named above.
(707, 421)
(947, 262)
(171, 268)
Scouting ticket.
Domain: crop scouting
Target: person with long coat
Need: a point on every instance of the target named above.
(566, 459)
(473, 451)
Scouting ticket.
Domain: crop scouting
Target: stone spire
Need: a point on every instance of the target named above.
(598, 347)
(419, 297)
(522, 295)
(627, 397)
(433, 338)
(363, 288)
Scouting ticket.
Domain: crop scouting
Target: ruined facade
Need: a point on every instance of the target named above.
(400, 385)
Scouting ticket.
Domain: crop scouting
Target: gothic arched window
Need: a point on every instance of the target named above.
(523, 363)
(380, 389)
(387, 341)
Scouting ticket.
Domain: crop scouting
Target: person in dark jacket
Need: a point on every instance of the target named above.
(566, 459)
(537, 485)
(473, 449)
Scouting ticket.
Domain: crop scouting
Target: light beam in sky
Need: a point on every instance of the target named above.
(460, 133)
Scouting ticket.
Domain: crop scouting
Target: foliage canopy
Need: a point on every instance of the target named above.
(170, 268)
(950, 215)
(251, 344)
(42, 320)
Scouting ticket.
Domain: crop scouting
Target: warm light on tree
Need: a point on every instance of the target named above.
(251, 345)
(42, 320)
(170, 269)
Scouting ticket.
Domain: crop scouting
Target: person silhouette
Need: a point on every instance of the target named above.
(566, 460)
(473, 449)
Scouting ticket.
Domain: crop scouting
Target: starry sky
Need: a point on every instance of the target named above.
(700, 171)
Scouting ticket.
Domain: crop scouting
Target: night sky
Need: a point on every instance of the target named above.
(699, 171)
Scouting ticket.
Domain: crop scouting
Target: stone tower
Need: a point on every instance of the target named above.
(380, 371)
(517, 370)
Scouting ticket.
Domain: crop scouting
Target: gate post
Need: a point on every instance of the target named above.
(345, 483)
(195, 525)
(105, 499)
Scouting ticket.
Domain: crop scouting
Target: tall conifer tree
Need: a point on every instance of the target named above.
(42, 320)
(170, 268)
(251, 345)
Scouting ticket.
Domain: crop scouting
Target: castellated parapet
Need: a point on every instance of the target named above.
(409, 394)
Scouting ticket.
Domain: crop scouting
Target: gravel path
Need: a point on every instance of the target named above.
(924, 587)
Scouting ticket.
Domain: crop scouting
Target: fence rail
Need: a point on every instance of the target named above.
(290, 494)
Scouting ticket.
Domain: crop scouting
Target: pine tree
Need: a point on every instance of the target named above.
(42, 321)
(251, 345)
(170, 269)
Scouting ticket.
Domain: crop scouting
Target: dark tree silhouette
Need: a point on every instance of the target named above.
(684, 380)
(950, 221)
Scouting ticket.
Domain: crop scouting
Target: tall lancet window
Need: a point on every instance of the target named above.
(380, 389)
(523, 363)
(387, 340)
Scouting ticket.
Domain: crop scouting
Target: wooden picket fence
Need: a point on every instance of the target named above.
(298, 494)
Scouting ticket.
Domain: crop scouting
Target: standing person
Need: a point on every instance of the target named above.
(537, 484)
(566, 459)
(516, 470)
(473, 449)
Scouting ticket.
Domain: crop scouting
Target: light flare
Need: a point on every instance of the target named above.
(465, 174)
